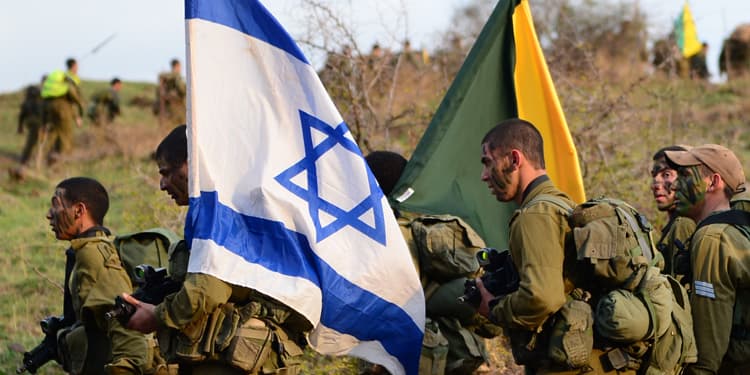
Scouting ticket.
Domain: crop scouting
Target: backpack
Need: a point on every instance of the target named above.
(446, 247)
(151, 246)
(644, 315)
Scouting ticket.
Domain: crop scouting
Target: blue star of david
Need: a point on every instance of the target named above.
(335, 136)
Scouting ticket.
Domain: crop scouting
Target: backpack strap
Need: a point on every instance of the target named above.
(557, 201)
(732, 217)
(643, 242)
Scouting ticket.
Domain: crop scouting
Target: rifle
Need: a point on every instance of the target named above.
(500, 276)
(47, 349)
(153, 286)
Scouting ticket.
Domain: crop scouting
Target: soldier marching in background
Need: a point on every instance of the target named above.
(62, 97)
(170, 96)
(29, 119)
(105, 104)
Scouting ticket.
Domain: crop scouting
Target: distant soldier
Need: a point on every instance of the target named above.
(30, 119)
(698, 67)
(105, 104)
(170, 96)
(62, 96)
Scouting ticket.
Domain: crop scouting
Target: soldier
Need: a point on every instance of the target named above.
(267, 336)
(709, 175)
(677, 231)
(455, 324)
(105, 104)
(170, 96)
(30, 119)
(93, 345)
(697, 62)
(62, 97)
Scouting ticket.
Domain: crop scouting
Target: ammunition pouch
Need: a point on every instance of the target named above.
(434, 350)
(72, 345)
(572, 337)
(242, 337)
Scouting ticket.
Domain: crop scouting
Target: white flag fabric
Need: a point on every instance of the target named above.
(281, 199)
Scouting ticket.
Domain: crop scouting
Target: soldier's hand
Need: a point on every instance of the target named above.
(144, 318)
(484, 306)
(79, 122)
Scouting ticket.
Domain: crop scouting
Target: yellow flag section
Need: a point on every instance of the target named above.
(686, 33)
(538, 103)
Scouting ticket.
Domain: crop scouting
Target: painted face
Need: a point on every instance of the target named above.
(61, 216)
(690, 191)
(174, 181)
(498, 173)
(662, 178)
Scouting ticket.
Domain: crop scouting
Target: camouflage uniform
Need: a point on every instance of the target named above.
(190, 322)
(30, 118)
(97, 277)
(548, 271)
(720, 255)
(59, 113)
(459, 323)
(674, 238)
(104, 106)
(170, 98)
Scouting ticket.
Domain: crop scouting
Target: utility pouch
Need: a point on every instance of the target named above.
(188, 343)
(572, 337)
(73, 346)
(434, 350)
(250, 346)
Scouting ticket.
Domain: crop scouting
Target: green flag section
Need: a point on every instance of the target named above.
(443, 175)
(685, 33)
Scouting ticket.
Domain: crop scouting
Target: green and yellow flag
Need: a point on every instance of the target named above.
(504, 76)
(685, 33)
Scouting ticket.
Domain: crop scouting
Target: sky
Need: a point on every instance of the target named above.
(36, 36)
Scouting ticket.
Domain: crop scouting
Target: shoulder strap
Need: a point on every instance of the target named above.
(557, 201)
(732, 217)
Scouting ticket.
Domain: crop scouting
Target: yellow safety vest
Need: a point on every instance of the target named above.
(54, 85)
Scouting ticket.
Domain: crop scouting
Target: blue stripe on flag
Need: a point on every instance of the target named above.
(248, 17)
(347, 308)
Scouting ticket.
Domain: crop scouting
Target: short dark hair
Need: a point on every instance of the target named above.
(114, 81)
(387, 167)
(173, 148)
(70, 62)
(662, 153)
(174, 62)
(517, 134)
(89, 192)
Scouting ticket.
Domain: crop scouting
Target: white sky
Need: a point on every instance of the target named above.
(36, 36)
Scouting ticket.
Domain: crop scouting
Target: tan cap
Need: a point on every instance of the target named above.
(718, 159)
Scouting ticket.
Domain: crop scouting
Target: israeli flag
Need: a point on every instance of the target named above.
(281, 199)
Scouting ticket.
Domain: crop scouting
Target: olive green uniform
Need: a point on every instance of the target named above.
(104, 106)
(30, 118)
(674, 235)
(193, 313)
(720, 255)
(170, 98)
(96, 279)
(548, 272)
(60, 114)
(741, 201)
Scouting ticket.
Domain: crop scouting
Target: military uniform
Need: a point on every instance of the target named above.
(170, 98)
(30, 118)
(104, 106)
(96, 279)
(456, 324)
(62, 98)
(720, 255)
(674, 238)
(266, 336)
(549, 272)
(741, 201)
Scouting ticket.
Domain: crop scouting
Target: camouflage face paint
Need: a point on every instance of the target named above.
(689, 188)
(61, 217)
